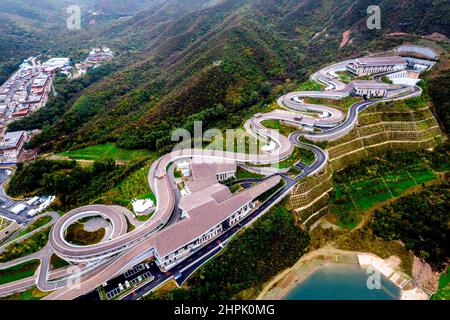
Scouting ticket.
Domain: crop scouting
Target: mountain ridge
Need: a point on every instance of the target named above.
(259, 43)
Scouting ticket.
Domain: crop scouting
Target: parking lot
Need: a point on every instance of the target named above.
(7, 204)
(128, 280)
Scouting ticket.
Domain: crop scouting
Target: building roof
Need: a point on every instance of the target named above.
(11, 139)
(379, 61)
(57, 62)
(34, 98)
(214, 193)
(21, 113)
(204, 174)
(420, 51)
(370, 85)
(204, 216)
(37, 90)
(142, 205)
(39, 82)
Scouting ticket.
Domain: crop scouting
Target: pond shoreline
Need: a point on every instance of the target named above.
(285, 282)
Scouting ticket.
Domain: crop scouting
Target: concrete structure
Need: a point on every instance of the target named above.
(143, 206)
(9, 229)
(368, 66)
(423, 52)
(32, 201)
(418, 58)
(209, 212)
(406, 77)
(18, 208)
(57, 63)
(419, 64)
(209, 209)
(369, 88)
(11, 145)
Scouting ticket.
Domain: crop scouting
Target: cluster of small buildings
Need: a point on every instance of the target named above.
(96, 58)
(26, 91)
(35, 205)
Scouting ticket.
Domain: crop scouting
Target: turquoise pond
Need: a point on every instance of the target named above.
(342, 282)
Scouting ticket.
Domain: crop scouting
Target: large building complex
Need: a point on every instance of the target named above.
(29, 87)
(195, 213)
(368, 66)
(26, 91)
(369, 88)
(208, 208)
(208, 211)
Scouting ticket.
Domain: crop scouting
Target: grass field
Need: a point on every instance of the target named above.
(56, 262)
(346, 76)
(134, 186)
(342, 103)
(306, 156)
(106, 151)
(444, 287)
(20, 271)
(25, 247)
(42, 221)
(310, 86)
(31, 294)
(236, 188)
(349, 200)
(294, 158)
(244, 174)
(77, 235)
(4, 223)
(276, 125)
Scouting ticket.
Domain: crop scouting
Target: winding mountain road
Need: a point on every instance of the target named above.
(107, 259)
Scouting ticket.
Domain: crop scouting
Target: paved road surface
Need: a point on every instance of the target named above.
(131, 246)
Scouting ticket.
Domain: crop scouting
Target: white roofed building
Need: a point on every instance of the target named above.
(207, 214)
(143, 206)
(369, 88)
(367, 66)
(209, 209)
(57, 62)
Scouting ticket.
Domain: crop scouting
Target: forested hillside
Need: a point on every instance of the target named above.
(421, 221)
(181, 61)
